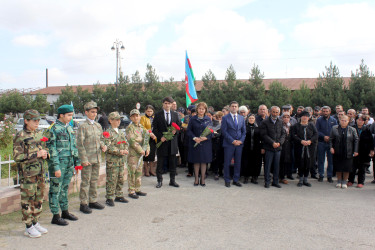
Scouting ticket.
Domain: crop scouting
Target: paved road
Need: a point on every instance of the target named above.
(216, 217)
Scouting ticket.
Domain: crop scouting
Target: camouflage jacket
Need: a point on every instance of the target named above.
(89, 142)
(26, 145)
(115, 143)
(135, 135)
(61, 143)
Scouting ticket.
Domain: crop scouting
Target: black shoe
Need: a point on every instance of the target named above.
(196, 184)
(203, 185)
(314, 177)
(237, 183)
(368, 171)
(96, 205)
(254, 181)
(227, 184)
(159, 184)
(266, 185)
(121, 199)
(56, 219)
(85, 209)
(110, 202)
(320, 179)
(173, 184)
(66, 215)
(290, 177)
(276, 185)
(139, 193)
(306, 184)
(246, 180)
(134, 196)
(299, 184)
(329, 179)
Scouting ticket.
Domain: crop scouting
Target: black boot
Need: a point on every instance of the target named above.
(85, 209)
(56, 219)
(66, 215)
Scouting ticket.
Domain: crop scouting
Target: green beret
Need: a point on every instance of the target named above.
(65, 109)
(31, 114)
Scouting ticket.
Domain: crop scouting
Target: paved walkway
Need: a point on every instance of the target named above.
(216, 217)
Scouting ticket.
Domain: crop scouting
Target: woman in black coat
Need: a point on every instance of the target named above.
(365, 152)
(252, 150)
(305, 137)
(200, 155)
(286, 152)
(344, 146)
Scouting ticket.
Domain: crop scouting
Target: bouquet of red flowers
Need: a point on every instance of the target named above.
(207, 131)
(169, 134)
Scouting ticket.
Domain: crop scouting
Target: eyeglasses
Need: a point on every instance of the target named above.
(286, 116)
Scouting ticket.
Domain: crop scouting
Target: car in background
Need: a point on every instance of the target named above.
(50, 119)
(125, 121)
(77, 120)
(43, 124)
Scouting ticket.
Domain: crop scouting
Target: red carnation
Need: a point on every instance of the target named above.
(175, 126)
(119, 142)
(106, 134)
(44, 139)
(211, 130)
(150, 131)
(124, 142)
(78, 168)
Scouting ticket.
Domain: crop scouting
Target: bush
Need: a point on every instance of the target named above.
(7, 133)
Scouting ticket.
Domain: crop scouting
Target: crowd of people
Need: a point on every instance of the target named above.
(232, 143)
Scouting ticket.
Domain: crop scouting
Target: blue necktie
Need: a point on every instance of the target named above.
(235, 120)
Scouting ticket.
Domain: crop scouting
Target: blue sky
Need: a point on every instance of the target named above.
(285, 38)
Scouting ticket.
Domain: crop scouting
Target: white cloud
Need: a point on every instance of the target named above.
(30, 40)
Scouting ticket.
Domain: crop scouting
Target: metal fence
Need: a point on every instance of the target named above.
(10, 181)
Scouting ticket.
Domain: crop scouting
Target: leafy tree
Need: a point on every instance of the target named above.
(362, 88)
(67, 96)
(330, 90)
(302, 96)
(40, 103)
(151, 77)
(14, 102)
(278, 94)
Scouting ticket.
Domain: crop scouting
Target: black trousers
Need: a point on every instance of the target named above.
(361, 171)
(304, 167)
(172, 167)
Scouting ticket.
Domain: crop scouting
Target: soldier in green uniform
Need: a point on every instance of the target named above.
(63, 158)
(117, 149)
(138, 138)
(29, 152)
(90, 144)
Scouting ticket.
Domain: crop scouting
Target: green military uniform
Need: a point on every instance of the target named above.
(89, 143)
(137, 137)
(114, 160)
(31, 169)
(63, 157)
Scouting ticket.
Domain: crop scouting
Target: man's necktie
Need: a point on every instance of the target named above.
(235, 120)
(168, 118)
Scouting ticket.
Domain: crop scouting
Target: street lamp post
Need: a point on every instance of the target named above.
(116, 46)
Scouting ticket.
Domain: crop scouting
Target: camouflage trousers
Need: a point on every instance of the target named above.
(58, 187)
(88, 192)
(115, 180)
(32, 195)
(134, 174)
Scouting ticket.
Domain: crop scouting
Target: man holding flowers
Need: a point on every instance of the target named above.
(163, 130)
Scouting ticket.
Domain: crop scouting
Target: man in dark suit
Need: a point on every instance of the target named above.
(273, 134)
(168, 149)
(233, 131)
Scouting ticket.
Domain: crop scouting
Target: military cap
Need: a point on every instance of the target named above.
(91, 105)
(134, 111)
(317, 108)
(31, 114)
(191, 107)
(63, 109)
(114, 116)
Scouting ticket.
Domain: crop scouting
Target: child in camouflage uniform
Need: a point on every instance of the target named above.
(138, 138)
(117, 148)
(63, 158)
(29, 152)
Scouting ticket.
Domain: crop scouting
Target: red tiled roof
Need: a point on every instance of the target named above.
(291, 83)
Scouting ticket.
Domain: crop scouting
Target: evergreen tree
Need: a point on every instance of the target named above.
(302, 96)
(278, 94)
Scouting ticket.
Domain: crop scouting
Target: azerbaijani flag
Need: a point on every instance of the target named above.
(191, 94)
(71, 123)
